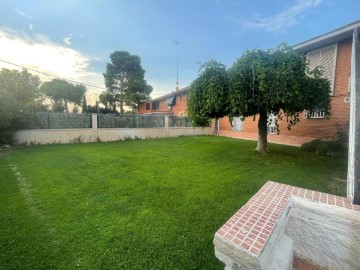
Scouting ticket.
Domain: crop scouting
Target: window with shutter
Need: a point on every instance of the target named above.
(326, 58)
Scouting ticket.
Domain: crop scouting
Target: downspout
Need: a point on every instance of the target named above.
(353, 174)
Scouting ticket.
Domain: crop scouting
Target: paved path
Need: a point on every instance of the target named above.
(272, 138)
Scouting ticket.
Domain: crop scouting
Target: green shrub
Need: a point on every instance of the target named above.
(324, 147)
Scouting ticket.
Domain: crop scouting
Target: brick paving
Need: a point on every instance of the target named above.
(272, 138)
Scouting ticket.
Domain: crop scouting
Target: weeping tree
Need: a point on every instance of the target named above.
(208, 97)
(262, 82)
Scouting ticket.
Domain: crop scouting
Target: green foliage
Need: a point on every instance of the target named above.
(76, 209)
(276, 81)
(63, 92)
(108, 100)
(124, 80)
(58, 107)
(342, 135)
(19, 93)
(84, 105)
(208, 96)
(260, 82)
(324, 147)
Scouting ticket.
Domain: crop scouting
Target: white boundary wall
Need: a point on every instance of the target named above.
(49, 136)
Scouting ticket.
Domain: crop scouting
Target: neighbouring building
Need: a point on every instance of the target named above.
(173, 103)
(333, 52)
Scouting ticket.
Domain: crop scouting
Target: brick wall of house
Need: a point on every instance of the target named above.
(142, 108)
(176, 109)
(180, 106)
(318, 128)
(225, 124)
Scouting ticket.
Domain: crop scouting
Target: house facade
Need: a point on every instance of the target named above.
(173, 103)
(332, 51)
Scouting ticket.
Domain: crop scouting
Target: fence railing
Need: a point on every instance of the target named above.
(130, 121)
(176, 121)
(73, 121)
(56, 121)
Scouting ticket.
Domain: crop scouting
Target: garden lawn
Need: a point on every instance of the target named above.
(151, 204)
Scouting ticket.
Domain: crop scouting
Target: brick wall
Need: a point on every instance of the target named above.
(180, 106)
(225, 124)
(176, 109)
(142, 108)
(318, 128)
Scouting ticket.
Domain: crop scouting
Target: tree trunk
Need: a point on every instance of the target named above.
(122, 106)
(262, 132)
(66, 106)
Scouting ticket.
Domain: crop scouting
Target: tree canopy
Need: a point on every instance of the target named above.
(124, 80)
(62, 93)
(108, 100)
(209, 92)
(261, 82)
(19, 93)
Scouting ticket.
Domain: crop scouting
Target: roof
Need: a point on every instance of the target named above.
(174, 93)
(328, 38)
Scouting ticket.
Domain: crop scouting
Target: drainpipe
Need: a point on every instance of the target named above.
(218, 127)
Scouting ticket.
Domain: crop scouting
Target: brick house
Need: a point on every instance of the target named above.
(173, 103)
(332, 51)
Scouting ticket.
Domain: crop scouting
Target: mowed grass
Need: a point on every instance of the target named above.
(152, 204)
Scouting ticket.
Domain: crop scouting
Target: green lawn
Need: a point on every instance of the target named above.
(151, 204)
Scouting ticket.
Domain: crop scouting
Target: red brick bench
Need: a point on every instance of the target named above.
(248, 240)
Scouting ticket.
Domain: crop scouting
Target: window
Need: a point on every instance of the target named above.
(147, 106)
(171, 101)
(326, 58)
(271, 124)
(271, 130)
(236, 124)
(315, 114)
(155, 106)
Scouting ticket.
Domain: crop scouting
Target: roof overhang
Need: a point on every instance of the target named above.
(334, 36)
(174, 93)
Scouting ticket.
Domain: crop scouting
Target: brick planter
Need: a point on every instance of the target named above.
(258, 236)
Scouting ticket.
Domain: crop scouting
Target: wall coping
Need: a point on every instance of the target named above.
(251, 228)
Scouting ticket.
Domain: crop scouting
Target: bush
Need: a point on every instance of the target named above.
(324, 147)
(6, 137)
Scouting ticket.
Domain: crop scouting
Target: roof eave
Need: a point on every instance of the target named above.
(174, 93)
(334, 36)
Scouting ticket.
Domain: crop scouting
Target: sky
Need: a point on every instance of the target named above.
(73, 39)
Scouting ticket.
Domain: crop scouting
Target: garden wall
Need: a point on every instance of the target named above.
(49, 136)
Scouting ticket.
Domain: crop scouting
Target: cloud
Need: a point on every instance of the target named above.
(39, 53)
(18, 11)
(281, 20)
(67, 40)
(31, 26)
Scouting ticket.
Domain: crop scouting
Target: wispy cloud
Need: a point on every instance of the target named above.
(39, 53)
(282, 20)
(31, 26)
(21, 13)
(67, 41)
